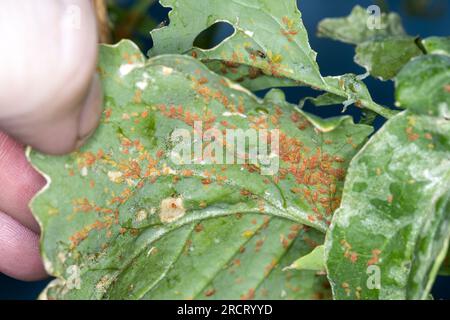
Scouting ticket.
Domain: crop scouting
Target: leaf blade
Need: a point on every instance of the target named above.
(393, 194)
(423, 86)
(121, 203)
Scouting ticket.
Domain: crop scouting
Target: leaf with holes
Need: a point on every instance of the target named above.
(142, 211)
(391, 233)
(269, 38)
(269, 46)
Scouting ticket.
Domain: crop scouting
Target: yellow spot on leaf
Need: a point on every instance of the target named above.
(248, 233)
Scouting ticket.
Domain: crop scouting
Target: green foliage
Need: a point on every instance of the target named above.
(423, 85)
(437, 45)
(393, 224)
(269, 47)
(315, 260)
(269, 41)
(132, 221)
(382, 51)
(354, 28)
(391, 232)
(385, 58)
(124, 218)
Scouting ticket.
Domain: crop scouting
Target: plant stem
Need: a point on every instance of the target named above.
(382, 111)
(101, 11)
(368, 104)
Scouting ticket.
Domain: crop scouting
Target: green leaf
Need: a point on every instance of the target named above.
(326, 99)
(382, 50)
(269, 46)
(437, 45)
(354, 29)
(315, 261)
(248, 76)
(267, 35)
(383, 59)
(355, 89)
(351, 83)
(390, 235)
(423, 85)
(121, 218)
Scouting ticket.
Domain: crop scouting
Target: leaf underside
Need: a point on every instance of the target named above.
(121, 220)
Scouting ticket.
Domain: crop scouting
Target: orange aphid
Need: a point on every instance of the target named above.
(375, 257)
(249, 295)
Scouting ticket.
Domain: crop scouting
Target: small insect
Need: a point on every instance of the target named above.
(257, 53)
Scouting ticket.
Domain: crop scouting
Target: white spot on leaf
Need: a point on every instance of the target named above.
(115, 176)
(74, 277)
(142, 84)
(141, 215)
(84, 171)
(171, 209)
(167, 71)
(125, 69)
(230, 114)
(249, 33)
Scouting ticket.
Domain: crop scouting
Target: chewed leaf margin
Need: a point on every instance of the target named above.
(254, 54)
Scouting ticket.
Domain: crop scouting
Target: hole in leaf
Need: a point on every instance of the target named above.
(159, 15)
(213, 35)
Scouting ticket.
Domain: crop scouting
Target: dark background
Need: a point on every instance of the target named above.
(334, 58)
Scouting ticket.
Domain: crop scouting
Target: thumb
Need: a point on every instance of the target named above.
(50, 96)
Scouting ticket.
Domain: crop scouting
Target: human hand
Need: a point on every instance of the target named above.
(50, 98)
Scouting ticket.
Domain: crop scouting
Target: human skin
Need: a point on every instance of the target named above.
(50, 99)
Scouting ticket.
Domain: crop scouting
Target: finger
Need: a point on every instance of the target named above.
(60, 133)
(48, 84)
(19, 182)
(19, 251)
